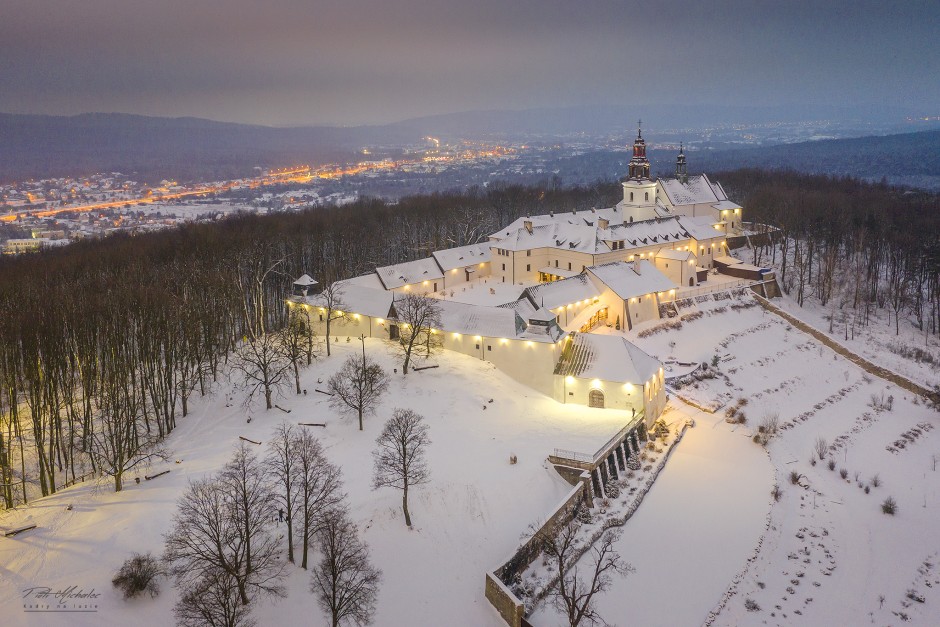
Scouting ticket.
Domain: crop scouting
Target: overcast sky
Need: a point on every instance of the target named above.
(373, 61)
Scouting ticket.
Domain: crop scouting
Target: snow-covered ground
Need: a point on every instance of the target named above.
(829, 554)
(694, 530)
(898, 346)
(880, 341)
(467, 520)
(707, 538)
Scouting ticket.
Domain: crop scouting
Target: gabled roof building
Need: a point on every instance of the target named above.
(529, 298)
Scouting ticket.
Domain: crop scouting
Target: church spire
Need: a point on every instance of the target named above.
(639, 164)
(681, 169)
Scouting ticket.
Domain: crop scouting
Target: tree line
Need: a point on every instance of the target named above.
(856, 247)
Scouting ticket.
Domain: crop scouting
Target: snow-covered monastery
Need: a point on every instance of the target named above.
(535, 298)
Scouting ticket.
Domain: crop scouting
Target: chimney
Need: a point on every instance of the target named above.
(573, 211)
(528, 225)
(551, 213)
(636, 267)
(603, 223)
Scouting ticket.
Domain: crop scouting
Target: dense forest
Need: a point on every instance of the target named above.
(103, 343)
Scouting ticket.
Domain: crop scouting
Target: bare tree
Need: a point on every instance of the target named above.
(418, 317)
(121, 443)
(358, 385)
(331, 300)
(220, 531)
(281, 464)
(345, 582)
(262, 366)
(319, 486)
(399, 460)
(213, 601)
(575, 590)
(295, 342)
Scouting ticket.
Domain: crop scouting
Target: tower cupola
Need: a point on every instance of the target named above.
(682, 173)
(639, 164)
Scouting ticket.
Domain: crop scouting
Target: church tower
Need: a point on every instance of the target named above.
(639, 191)
(682, 174)
(639, 164)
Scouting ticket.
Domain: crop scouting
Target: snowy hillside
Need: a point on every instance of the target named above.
(709, 543)
(828, 555)
(467, 520)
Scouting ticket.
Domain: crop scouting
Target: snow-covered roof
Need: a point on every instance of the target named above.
(470, 319)
(542, 314)
(696, 190)
(305, 281)
(677, 255)
(723, 205)
(523, 306)
(409, 273)
(561, 293)
(700, 227)
(606, 357)
(463, 256)
(727, 261)
(622, 277)
(582, 232)
(353, 298)
(365, 280)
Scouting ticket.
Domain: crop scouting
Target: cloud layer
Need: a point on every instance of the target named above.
(371, 61)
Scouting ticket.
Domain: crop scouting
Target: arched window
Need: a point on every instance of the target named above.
(631, 196)
(631, 218)
(647, 197)
(596, 399)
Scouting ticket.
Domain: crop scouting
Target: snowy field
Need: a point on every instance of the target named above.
(467, 520)
(829, 554)
(880, 342)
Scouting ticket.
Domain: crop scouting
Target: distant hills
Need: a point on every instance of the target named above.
(42, 146)
(187, 149)
(907, 159)
(911, 159)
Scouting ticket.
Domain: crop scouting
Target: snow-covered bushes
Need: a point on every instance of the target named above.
(889, 506)
(671, 325)
(769, 423)
(881, 403)
(821, 447)
(139, 574)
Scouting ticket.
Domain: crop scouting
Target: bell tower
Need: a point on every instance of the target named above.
(639, 164)
(682, 173)
(639, 191)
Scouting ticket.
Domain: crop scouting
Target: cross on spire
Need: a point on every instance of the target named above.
(639, 127)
